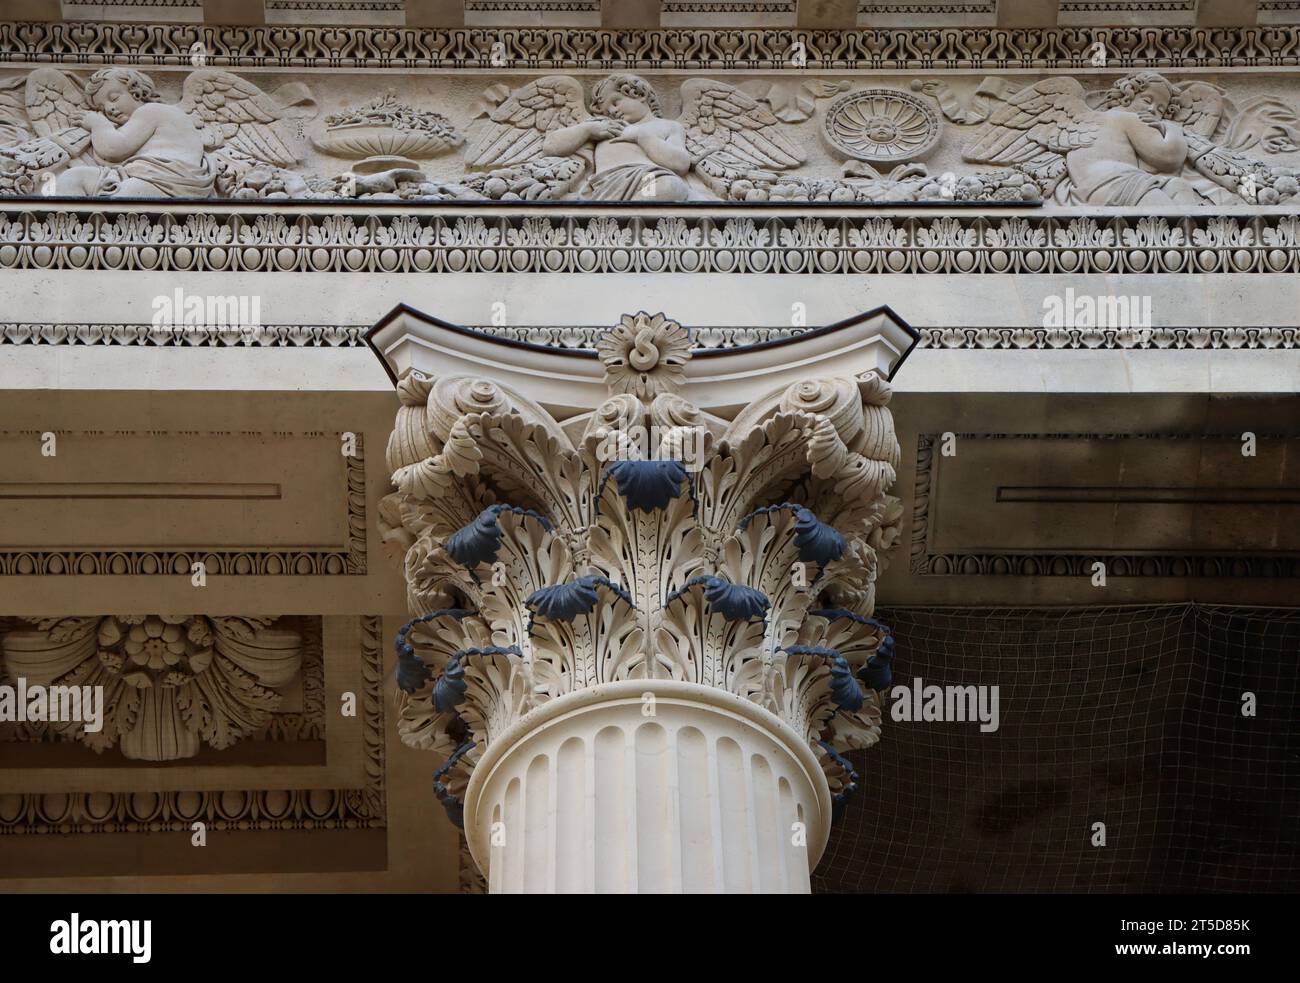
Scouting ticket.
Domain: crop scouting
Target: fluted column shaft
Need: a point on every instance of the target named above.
(648, 786)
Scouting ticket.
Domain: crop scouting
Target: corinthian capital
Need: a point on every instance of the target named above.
(648, 549)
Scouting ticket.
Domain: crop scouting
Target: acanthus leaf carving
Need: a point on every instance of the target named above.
(170, 683)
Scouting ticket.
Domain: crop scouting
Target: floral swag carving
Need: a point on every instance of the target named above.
(544, 557)
(170, 682)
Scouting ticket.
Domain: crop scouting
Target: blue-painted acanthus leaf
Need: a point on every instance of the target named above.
(816, 541)
(878, 673)
(411, 671)
(450, 688)
(479, 541)
(849, 789)
(648, 485)
(564, 602)
(834, 614)
(845, 690)
(455, 807)
(735, 602)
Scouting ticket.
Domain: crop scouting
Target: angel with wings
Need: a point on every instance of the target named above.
(123, 141)
(1143, 141)
(632, 152)
(1130, 150)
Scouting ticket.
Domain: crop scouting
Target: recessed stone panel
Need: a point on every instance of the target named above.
(1113, 493)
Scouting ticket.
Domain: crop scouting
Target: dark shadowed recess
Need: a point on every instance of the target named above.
(1129, 716)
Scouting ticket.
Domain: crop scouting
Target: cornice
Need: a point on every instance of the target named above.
(573, 49)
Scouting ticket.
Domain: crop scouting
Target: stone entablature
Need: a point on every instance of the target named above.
(319, 201)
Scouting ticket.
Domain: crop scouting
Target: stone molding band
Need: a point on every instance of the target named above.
(763, 49)
(585, 337)
(348, 560)
(443, 241)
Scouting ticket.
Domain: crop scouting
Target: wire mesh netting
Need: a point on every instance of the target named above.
(1127, 716)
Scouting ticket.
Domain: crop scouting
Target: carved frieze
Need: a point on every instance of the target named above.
(1143, 140)
(882, 126)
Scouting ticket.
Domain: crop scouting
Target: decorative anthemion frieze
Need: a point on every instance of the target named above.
(754, 49)
(960, 241)
(717, 568)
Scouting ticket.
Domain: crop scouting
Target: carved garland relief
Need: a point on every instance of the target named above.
(1144, 140)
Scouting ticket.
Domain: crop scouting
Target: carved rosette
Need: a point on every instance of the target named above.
(882, 126)
(648, 543)
(170, 683)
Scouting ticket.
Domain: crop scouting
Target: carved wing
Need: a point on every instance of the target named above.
(237, 115)
(514, 132)
(54, 99)
(1201, 107)
(731, 135)
(13, 112)
(1035, 128)
(1264, 121)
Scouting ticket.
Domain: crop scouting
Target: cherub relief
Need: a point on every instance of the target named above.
(631, 151)
(1144, 141)
(150, 148)
(121, 140)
